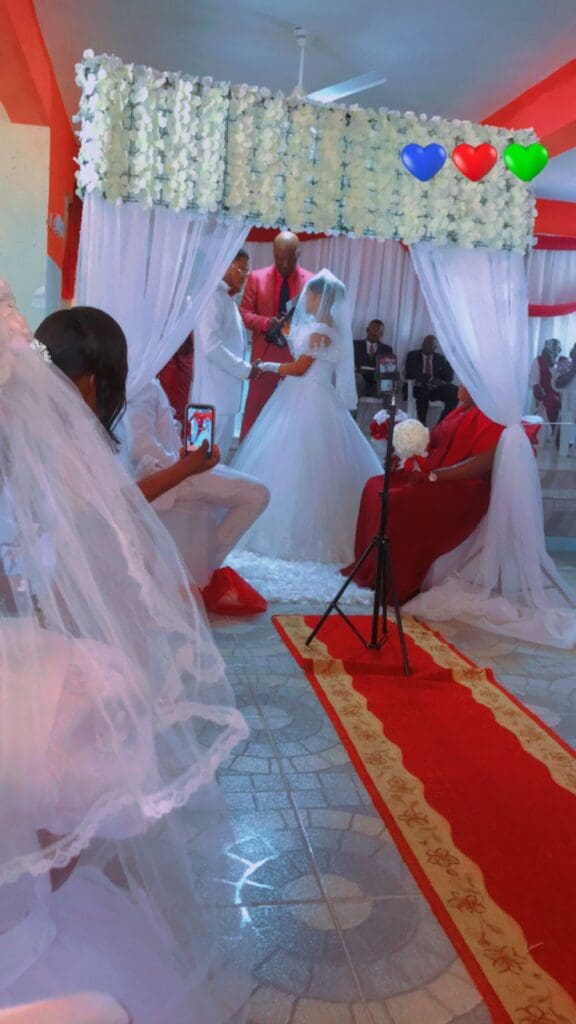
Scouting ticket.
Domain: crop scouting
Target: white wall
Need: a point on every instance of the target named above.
(24, 175)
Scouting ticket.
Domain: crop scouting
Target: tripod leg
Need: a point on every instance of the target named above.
(398, 614)
(334, 604)
(378, 592)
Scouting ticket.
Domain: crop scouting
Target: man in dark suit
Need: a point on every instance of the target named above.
(366, 353)
(432, 376)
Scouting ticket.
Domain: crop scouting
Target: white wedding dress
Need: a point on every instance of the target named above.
(306, 447)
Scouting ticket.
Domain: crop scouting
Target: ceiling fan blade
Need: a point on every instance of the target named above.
(333, 93)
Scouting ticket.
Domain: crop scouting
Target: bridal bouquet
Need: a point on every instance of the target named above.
(411, 439)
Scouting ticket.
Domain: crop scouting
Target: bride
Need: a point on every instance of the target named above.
(305, 445)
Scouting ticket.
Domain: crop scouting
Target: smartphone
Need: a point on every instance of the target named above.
(200, 424)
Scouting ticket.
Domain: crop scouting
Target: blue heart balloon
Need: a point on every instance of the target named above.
(423, 163)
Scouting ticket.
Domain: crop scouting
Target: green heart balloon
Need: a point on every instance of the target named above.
(525, 161)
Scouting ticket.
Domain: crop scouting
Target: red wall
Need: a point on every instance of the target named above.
(30, 94)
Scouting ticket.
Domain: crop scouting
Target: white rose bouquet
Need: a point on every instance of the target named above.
(411, 439)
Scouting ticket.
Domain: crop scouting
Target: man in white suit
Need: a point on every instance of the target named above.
(219, 365)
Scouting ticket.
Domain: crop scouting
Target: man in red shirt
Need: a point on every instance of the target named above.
(266, 295)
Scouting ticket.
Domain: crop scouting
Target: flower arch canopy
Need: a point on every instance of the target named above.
(194, 144)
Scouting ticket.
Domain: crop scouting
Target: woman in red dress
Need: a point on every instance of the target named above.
(432, 511)
(543, 390)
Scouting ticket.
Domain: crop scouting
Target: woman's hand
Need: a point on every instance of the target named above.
(199, 461)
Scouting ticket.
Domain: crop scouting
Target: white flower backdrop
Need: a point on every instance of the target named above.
(196, 144)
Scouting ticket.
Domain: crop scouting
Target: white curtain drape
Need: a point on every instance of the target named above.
(501, 579)
(552, 279)
(380, 279)
(153, 271)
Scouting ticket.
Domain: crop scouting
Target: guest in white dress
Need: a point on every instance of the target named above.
(305, 445)
(232, 501)
(219, 365)
(206, 507)
(114, 709)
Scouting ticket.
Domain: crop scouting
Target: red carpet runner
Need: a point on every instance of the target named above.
(479, 796)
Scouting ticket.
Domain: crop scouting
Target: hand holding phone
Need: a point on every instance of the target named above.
(200, 460)
(200, 428)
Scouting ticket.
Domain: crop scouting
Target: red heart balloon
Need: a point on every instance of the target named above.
(475, 161)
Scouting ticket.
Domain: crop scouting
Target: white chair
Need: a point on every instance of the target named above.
(436, 407)
(567, 417)
(367, 409)
(84, 1008)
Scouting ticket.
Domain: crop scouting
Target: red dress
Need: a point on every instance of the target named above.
(176, 379)
(429, 519)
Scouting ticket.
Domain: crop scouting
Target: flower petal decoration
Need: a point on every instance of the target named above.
(191, 143)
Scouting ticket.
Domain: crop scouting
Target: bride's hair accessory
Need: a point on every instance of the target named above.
(41, 349)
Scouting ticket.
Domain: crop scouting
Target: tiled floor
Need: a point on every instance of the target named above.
(313, 898)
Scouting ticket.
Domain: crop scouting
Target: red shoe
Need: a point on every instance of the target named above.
(229, 594)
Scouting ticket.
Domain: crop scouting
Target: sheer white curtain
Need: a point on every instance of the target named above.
(381, 282)
(552, 276)
(501, 579)
(153, 271)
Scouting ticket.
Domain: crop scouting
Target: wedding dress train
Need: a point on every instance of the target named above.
(306, 447)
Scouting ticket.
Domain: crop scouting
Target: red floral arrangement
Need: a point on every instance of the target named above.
(379, 429)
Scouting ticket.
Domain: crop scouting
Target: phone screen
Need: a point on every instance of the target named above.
(200, 427)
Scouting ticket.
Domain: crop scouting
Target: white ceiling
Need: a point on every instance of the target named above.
(457, 58)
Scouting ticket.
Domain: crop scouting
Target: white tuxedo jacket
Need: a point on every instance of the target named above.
(219, 365)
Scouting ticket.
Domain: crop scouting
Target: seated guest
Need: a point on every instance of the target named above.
(432, 511)
(366, 352)
(91, 353)
(432, 376)
(176, 379)
(89, 347)
(153, 443)
(541, 379)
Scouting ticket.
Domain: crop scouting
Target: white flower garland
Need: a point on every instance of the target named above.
(190, 143)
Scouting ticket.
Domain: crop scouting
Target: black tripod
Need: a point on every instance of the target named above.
(384, 571)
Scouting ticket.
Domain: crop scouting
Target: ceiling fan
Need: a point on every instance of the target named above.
(333, 93)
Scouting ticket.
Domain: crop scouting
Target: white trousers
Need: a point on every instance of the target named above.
(209, 514)
(225, 432)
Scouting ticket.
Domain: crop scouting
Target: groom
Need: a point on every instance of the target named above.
(266, 295)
